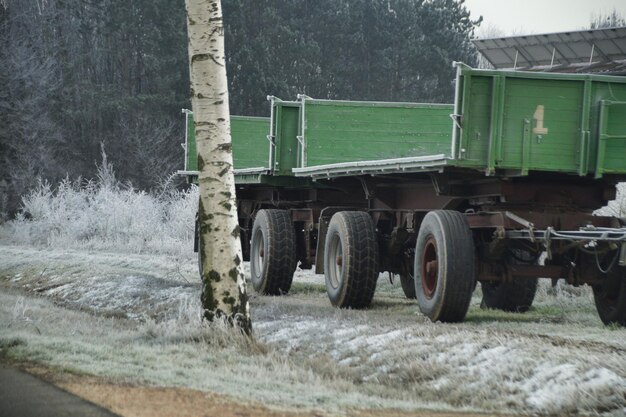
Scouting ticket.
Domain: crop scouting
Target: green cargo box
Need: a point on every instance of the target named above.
(503, 123)
(506, 123)
(526, 121)
(251, 149)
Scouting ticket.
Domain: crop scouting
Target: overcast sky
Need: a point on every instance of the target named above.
(520, 17)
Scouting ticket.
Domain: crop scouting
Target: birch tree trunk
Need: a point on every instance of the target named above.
(223, 285)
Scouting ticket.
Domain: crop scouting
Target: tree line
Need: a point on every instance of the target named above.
(79, 75)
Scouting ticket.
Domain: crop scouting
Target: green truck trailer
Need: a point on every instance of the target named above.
(499, 188)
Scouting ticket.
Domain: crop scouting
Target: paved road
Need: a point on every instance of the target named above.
(23, 395)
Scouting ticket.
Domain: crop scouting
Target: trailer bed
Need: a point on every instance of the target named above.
(502, 123)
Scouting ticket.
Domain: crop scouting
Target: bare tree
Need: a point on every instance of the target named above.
(608, 20)
(29, 137)
(223, 284)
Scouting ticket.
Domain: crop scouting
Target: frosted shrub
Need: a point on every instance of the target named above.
(615, 207)
(105, 215)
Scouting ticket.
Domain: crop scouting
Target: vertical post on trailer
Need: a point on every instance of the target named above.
(272, 135)
(301, 137)
(583, 162)
(186, 146)
(497, 115)
(456, 127)
(526, 139)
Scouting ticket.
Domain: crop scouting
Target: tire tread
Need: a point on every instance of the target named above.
(452, 301)
(280, 254)
(361, 271)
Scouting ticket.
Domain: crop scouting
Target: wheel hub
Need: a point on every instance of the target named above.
(430, 267)
(257, 253)
(335, 252)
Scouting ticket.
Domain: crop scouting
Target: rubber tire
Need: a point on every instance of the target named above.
(407, 281)
(514, 297)
(455, 278)
(610, 298)
(245, 244)
(354, 284)
(274, 275)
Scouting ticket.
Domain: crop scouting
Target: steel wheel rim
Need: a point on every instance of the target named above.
(258, 252)
(335, 253)
(430, 267)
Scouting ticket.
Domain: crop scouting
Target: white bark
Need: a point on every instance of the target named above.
(223, 284)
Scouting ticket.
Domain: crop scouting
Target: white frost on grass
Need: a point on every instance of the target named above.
(563, 388)
(184, 352)
(144, 324)
(136, 297)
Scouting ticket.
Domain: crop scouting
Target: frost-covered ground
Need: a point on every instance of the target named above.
(135, 318)
(99, 278)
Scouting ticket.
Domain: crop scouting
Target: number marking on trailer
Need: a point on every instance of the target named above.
(538, 116)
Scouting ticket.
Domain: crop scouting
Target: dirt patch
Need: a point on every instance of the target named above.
(139, 401)
(163, 402)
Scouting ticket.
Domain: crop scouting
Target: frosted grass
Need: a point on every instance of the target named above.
(132, 319)
(616, 207)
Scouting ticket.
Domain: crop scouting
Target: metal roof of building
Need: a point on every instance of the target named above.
(596, 50)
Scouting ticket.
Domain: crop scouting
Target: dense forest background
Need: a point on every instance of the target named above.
(77, 76)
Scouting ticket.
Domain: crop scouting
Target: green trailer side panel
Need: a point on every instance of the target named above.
(475, 142)
(339, 132)
(608, 125)
(523, 122)
(555, 147)
(502, 132)
(286, 128)
(250, 144)
(249, 138)
(612, 138)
